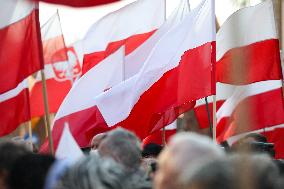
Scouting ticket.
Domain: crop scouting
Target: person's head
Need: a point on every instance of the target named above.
(92, 172)
(30, 171)
(151, 150)
(9, 153)
(96, 140)
(183, 149)
(123, 146)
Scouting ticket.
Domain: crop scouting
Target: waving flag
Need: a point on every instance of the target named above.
(129, 26)
(61, 68)
(20, 56)
(79, 3)
(130, 65)
(248, 46)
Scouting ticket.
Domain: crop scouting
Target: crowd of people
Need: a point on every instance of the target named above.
(117, 161)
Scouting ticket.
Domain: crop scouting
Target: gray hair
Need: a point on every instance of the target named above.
(123, 146)
(190, 148)
(233, 172)
(91, 172)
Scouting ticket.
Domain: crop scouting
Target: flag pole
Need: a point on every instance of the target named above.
(47, 116)
(209, 118)
(164, 136)
(214, 118)
(30, 134)
(70, 69)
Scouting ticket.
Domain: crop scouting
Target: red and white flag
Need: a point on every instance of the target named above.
(129, 26)
(79, 3)
(158, 137)
(248, 46)
(20, 56)
(61, 68)
(251, 107)
(223, 92)
(177, 72)
(123, 67)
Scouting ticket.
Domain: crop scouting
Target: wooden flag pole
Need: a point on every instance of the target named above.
(209, 118)
(47, 116)
(164, 136)
(30, 134)
(214, 119)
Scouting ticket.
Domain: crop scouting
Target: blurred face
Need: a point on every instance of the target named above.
(97, 140)
(166, 173)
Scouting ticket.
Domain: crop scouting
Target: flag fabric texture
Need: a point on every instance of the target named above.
(128, 66)
(62, 66)
(129, 26)
(20, 56)
(156, 95)
(79, 3)
(67, 147)
(248, 46)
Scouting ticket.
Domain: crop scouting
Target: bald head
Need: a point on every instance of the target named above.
(184, 149)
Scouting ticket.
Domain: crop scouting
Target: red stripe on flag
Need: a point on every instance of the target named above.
(253, 113)
(56, 93)
(161, 104)
(259, 61)
(131, 43)
(202, 115)
(13, 112)
(157, 137)
(20, 54)
(79, 3)
(277, 138)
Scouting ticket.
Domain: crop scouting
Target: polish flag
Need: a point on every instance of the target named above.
(76, 108)
(123, 67)
(223, 92)
(248, 46)
(161, 90)
(20, 56)
(177, 72)
(61, 68)
(129, 26)
(251, 107)
(157, 137)
(274, 134)
(79, 3)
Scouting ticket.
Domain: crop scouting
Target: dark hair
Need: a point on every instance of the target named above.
(29, 171)
(258, 137)
(9, 152)
(151, 149)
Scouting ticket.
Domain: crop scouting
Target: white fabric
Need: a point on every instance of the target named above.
(135, 60)
(101, 77)
(244, 91)
(138, 17)
(52, 28)
(196, 29)
(247, 26)
(12, 11)
(67, 146)
(14, 92)
(235, 138)
(223, 91)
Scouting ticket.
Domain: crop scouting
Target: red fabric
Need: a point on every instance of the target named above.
(259, 61)
(172, 95)
(56, 92)
(13, 112)
(202, 115)
(54, 50)
(277, 138)
(253, 113)
(20, 53)
(131, 43)
(157, 137)
(79, 3)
